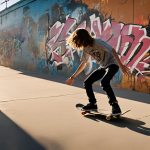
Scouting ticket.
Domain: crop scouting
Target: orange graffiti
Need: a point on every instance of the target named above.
(141, 21)
(102, 1)
(89, 2)
(78, 1)
(131, 83)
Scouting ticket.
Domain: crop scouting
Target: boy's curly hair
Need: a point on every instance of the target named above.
(80, 39)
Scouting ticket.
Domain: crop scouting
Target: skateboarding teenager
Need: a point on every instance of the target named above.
(109, 62)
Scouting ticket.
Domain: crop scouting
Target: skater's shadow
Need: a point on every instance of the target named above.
(124, 122)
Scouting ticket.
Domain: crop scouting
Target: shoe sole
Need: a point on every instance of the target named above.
(116, 114)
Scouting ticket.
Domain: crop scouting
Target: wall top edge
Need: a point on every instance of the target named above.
(15, 6)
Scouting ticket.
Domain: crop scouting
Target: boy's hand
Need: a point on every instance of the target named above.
(69, 81)
(125, 69)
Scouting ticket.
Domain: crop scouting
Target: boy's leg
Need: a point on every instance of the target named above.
(93, 77)
(105, 83)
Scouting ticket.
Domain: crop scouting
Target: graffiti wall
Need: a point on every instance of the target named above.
(35, 39)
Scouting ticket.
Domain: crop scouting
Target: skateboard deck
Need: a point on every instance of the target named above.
(106, 113)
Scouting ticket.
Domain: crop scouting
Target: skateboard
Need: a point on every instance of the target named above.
(106, 113)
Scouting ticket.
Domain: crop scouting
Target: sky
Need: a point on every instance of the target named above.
(9, 3)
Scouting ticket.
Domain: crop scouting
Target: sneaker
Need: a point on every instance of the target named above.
(115, 108)
(90, 106)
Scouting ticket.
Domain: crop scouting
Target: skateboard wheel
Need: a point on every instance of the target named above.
(83, 113)
(119, 117)
(108, 117)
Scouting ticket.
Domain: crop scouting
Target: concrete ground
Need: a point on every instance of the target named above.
(38, 113)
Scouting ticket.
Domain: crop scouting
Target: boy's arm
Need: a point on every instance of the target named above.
(79, 70)
(124, 68)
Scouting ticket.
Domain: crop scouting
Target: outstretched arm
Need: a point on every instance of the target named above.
(124, 68)
(80, 69)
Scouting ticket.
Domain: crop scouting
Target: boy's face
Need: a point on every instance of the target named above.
(78, 42)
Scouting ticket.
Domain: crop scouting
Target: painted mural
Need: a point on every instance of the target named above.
(38, 41)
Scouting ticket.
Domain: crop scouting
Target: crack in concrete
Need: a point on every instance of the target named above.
(143, 117)
(38, 97)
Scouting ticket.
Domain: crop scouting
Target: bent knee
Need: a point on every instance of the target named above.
(87, 84)
(104, 83)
